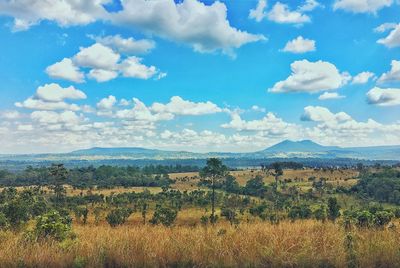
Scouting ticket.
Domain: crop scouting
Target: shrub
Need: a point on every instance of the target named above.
(53, 225)
(3, 221)
(230, 215)
(320, 213)
(164, 215)
(118, 216)
(382, 218)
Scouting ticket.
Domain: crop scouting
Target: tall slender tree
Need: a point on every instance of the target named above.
(214, 171)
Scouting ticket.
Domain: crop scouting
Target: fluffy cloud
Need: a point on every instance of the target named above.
(49, 117)
(65, 12)
(10, 115)
(330, 96)
(391, 76)
(363, 77)
(35, 104)
(205, 27)
(140, 112)
(97, 56)
(393, 39)
(299, 45)
(322, 114)
(384, 97)
(55, 93)
(311, 77)
(362, 6)
(101, 75)
(258, 14)
(132, 67)
(179, 106)
(105, 64)
(126, 45)
(341, 129)
(66, 70)
(270, 124)
(281, 13)
(107, 103)
(309, 5)
(51, 97)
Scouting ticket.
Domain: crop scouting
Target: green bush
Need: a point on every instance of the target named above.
(164, 215)
(118, 216)
(3, 221)
(53, 225)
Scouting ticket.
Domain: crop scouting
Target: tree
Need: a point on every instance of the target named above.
(118, 216)
(230, 214)
(59, 175)
(213, 171)
(320, 214)
(333, 209)
(165, 216)
(53, 225)
(277, 172)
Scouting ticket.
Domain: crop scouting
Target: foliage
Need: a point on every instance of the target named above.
(164, 215)
(333, 208)
(118, 216)
(53, 225)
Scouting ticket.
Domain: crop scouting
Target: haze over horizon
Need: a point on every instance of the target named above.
(198, 76)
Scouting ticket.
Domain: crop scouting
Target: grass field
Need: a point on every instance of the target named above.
(300, 244)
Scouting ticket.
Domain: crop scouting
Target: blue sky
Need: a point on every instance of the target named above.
(198, 75)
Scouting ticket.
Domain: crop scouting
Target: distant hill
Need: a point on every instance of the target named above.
(308, 148)
(305, 149)
(298, 146)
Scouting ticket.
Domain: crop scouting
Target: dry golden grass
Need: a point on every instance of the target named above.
(300, 244)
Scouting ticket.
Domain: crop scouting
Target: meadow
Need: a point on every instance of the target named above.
(297, 218)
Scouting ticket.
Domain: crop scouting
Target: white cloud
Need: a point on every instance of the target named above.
(55, 93)
(105, 64)
(126, 45)
(322, 114)
(393, 39)
(27, 13)
(309, 5)
(101, 75)
(363, 77)
(362, 6)
(257, 108)
(132, 67)
(35, 104)
(97, 56)
(107, 103)
(66, 70)
(391, 76)
(25, 127)
(140, 112)
(330, 96)
(10, 115)
(49, 117)
(179, 106)
(270, 124)
(51, 97)
(299, 45)
(384, 96)
(385, 27)
(258, 14)
(281, 13)
(205, 27)
(311, 77)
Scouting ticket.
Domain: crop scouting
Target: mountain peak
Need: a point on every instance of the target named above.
(297, 146)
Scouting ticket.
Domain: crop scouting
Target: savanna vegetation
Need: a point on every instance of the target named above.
(283, 214)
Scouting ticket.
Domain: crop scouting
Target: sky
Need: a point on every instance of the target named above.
(198, 75)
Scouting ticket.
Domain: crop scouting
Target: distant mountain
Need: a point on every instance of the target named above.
(308, 148)
(285, 149)
(298, 146)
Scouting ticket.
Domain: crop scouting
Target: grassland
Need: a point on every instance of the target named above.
(299, 244)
